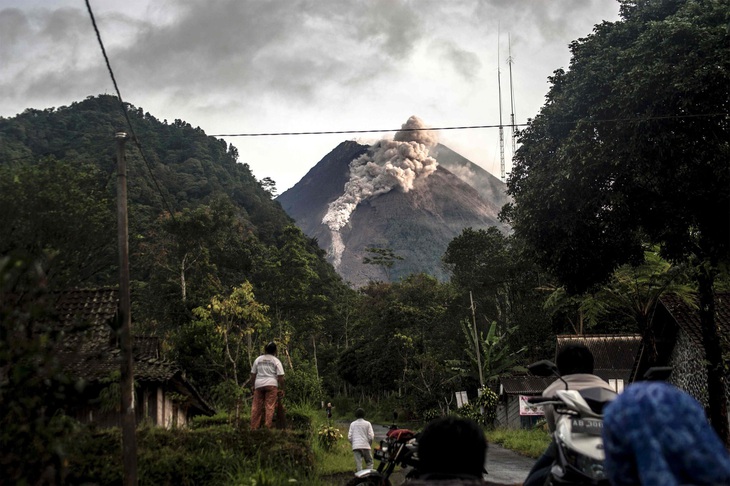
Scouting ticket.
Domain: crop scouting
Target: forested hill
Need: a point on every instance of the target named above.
(57, 194)
(190, 166)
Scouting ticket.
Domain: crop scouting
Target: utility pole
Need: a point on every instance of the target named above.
(129, 420)
(476, 341)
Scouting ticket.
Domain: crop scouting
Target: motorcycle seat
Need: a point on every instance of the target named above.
(597, 398)
(400, 435)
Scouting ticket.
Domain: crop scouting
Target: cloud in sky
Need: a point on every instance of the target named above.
(242, 66)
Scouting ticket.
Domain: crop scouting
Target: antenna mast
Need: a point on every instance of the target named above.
(501, 127)
(510, 61)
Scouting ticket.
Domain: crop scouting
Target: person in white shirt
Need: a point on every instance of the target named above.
(361, 436)
(267, 384)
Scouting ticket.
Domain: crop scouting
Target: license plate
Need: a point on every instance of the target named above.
(586, 426)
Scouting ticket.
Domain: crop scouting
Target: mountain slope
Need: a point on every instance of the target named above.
(226, 228)
(417, 225)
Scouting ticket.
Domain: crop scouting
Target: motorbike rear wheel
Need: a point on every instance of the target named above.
(369, 481)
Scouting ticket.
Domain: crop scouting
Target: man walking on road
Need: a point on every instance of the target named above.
(361, 435)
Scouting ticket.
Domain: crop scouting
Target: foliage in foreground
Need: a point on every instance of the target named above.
(211, 455)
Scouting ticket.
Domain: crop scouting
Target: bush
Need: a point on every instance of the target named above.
(430, 414)
(473, 410)
(202, 421)
(302, 386)
(328, 437)
(202, 456)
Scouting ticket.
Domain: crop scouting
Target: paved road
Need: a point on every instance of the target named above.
(504, 466)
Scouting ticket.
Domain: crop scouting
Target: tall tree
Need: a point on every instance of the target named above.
(507, 287)
(238, 318)
(633, 144)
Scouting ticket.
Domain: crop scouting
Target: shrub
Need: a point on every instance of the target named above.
(202, 456)
(303, 386)
(328, 437)
(487, 402)
(430, 414)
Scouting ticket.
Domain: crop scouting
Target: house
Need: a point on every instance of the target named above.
(90, 354)
(678, 335)
(614, 360)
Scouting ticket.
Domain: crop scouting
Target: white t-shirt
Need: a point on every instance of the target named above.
(360, 434)
(267, 368)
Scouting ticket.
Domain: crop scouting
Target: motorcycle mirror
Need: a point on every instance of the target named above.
(543, 368)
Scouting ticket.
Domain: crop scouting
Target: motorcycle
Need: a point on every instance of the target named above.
(399, 448)
(578, 427)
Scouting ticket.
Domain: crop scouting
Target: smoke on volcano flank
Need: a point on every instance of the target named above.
(387, 165)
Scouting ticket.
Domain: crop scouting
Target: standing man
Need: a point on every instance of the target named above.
(361, 435)
(267, 383)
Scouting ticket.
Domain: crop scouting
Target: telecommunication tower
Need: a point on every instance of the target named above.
(501, 127)
(510, 61)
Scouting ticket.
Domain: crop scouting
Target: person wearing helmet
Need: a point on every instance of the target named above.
(267, 384)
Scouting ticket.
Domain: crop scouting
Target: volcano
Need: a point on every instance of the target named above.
(416, 223)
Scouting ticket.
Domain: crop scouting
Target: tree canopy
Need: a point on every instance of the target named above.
(633, 145)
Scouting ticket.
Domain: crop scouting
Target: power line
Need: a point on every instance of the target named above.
(470, 127)
(374, 130)
(124, 110)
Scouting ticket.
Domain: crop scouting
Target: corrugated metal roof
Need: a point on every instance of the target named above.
(614, 355)
(525, 384)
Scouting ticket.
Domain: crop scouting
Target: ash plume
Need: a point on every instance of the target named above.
(389, 164)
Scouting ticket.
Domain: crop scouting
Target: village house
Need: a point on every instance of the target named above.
(90, 354)
(614, 357)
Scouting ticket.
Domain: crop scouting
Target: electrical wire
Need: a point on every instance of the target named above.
(471, 127)
(376, 130)
(124, 110)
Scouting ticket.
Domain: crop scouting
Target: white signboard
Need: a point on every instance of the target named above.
(461, 399)
(527, 408)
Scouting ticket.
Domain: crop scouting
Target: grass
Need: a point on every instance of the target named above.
(528, 442)
(331, 461)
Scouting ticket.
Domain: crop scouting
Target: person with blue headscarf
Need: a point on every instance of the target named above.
(657, 435)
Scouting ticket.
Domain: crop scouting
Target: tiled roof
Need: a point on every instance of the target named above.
(93, 306)
(90, 349)
(688, 317)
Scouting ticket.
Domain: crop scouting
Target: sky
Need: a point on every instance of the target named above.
(282, 66)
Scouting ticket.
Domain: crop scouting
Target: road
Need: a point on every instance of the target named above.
(504, 466)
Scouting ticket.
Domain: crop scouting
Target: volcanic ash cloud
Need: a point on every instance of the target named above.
(387, 165)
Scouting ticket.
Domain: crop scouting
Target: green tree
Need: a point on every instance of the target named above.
(405, 341)
(495, 356)
(33, 388)
(61, 215)
(238, 318)
(385, 258)
(633, 145)
(506, 286)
